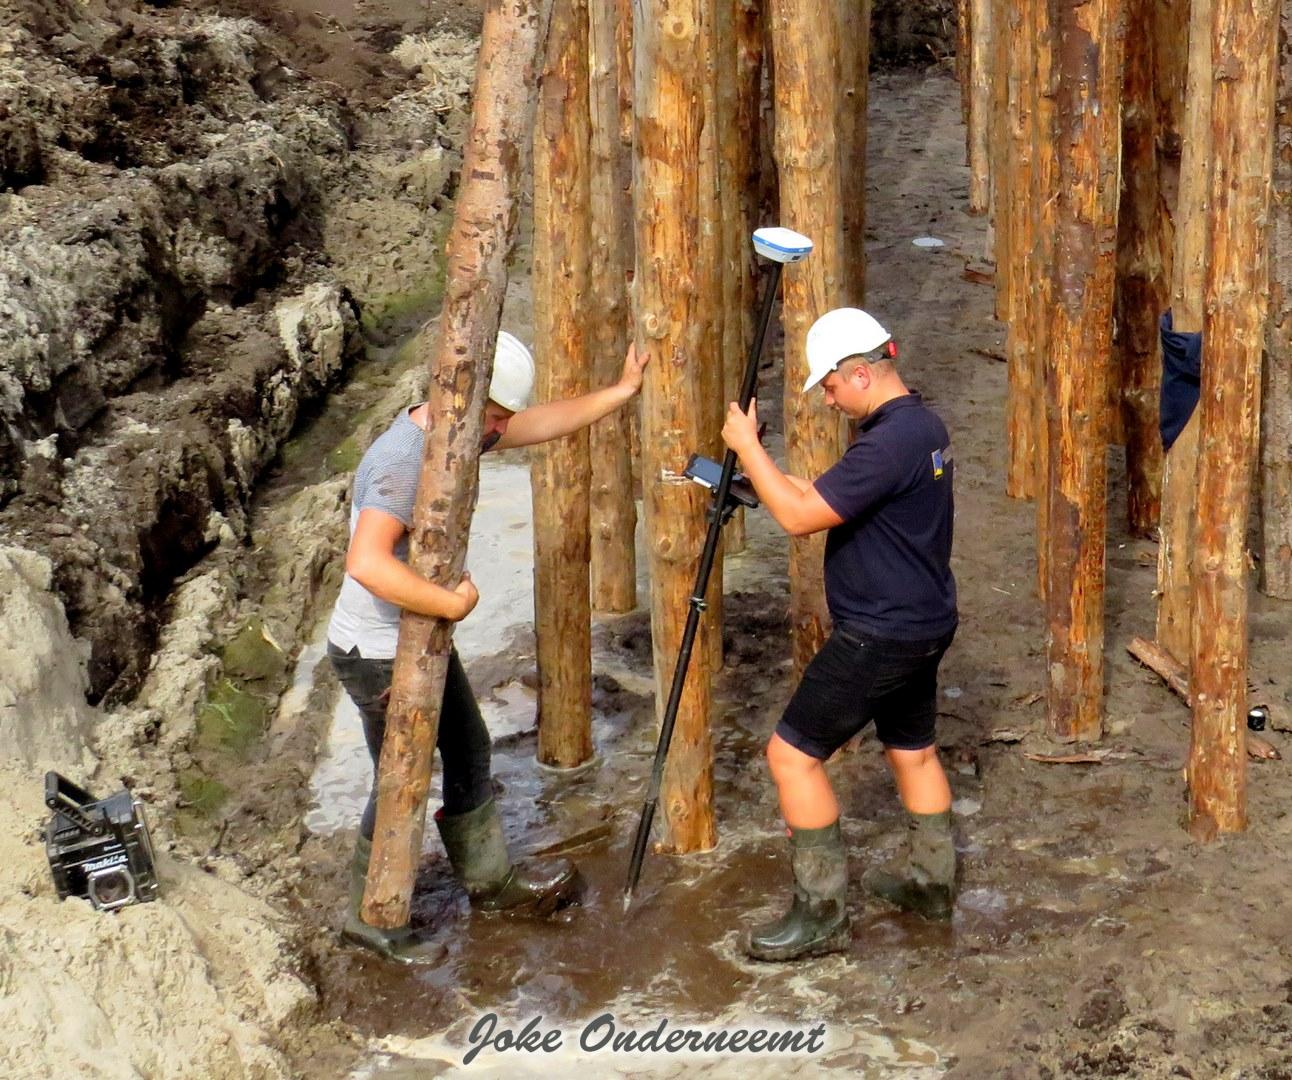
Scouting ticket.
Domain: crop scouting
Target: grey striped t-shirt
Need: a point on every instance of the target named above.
(386, 480)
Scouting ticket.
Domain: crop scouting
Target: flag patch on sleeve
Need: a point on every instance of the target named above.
(941, 459)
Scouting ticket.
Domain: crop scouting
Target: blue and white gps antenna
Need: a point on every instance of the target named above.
(781, 245)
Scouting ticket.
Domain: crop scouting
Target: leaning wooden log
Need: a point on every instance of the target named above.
(669, 117)
(1180, 468)
(613, 509)
(804, 34)
(1276, 391)
(1245, 40)
(460, 358)
(1088, 61)
(561, 470)
(1162, 664)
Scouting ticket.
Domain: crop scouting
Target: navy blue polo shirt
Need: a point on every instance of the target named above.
(888, 566)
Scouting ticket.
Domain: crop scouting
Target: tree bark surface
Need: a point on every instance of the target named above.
(804, 34)
(613, 509)
(1088, 39)
(1040, 265)
(1180, 468)
(1020, 482)
(853, 100)
(561, 469)
(980, 102)
(1276, 397)
(1244, 50)
(1142, 279)
(669, 118)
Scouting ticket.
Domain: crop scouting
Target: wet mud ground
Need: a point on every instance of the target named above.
(1092, 937)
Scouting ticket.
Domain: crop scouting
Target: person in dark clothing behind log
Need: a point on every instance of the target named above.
(364, 630)
(888, 507)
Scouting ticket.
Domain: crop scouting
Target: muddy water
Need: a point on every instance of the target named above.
(676, 953)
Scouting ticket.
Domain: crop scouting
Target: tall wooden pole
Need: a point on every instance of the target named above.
(669, 118)
(804, 34)
(1180, 470)
(614, 511)
(999, 235)
(963, 35)
(460, 360)
(1088, 58)
(1244, 51)
(980, 103)
(1142, 278)
(1020, 482)
(1276, 396)
(853, 99)
(745, 162)
(561, 470)
(1042, 222)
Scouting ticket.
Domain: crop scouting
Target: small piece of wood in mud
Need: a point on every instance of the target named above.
(1262, 749)
(1094, 757)
(580, 839)
(991, 354)
(979, 277)
(1004, 735)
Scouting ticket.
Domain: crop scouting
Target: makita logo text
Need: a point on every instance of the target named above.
(119, 859)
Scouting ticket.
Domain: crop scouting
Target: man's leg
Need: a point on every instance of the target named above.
(923, 877)
(921, 781)
(826, 710)
(806, 797)
(817, 921)
(367, 682)
(469, 822)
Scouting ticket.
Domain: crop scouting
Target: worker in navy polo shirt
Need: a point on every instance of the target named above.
(887, 505)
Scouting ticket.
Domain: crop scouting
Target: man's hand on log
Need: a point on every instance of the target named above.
(469, 595)
(634, 366)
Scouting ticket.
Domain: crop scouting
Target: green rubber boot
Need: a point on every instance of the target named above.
(817, 921)
(478, 851)
(402, 945)
(922, 878)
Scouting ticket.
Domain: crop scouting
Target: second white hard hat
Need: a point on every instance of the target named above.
(837, 335)
(513, 373)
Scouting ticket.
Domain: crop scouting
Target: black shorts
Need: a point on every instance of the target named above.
(856, 678)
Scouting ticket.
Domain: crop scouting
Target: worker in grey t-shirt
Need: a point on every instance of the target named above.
(364, 630)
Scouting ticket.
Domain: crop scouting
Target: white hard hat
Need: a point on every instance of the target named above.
(513, 373)
(837, 335)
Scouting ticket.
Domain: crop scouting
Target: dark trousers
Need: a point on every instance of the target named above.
(463, 740)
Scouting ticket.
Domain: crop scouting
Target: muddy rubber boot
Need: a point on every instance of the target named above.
(922, 878)
(817, 921)
(402, 945)
(478, 851)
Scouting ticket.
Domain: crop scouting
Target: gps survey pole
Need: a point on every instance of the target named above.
(781, 246)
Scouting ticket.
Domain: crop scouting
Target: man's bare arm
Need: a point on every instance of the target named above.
(372, 562)
(796, 505)
(556, 419)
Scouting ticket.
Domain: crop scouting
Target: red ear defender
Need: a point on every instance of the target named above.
(891, 350)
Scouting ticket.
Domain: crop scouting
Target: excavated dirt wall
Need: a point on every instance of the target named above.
(192, 232)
